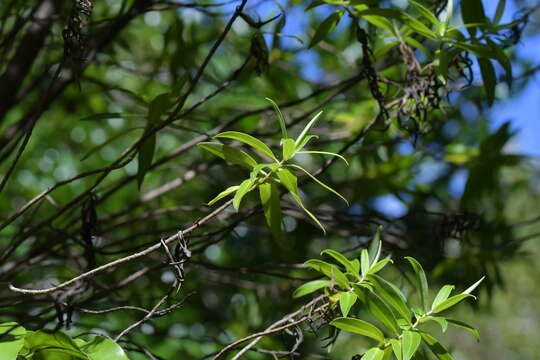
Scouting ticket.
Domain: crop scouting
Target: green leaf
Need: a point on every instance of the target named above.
(331, 271)
(465, 326)
(436, 348)
(103, 116)
(382, 312)
(499, 12)
(426, 13)
(53, 345)
(396, 348)
(449, 12)
(11, 340)
(289, 149)
(346, 301)
(381, 22)
(304, 143)
(159, 106)
(358, 326)
(443, 323)
(373, 354)
(236, 156)
(296, 198)
(318, 181)
(471, 288)
(310, 287)
(223, 194)
(145, 156)
(364, 262)
(375, 247)
(450, 302)
(322, 152)
(326, 27)
(269, 194)
(243, 189)
(281, 119)
(472, 11)
(489, 78)
(341, 259)
(229, 153)
(421, 281)
(288, 180)
(442, 295)
(410, 342)
(300, 139)
(101, 348)
(392, 295)
(248, 140)
(379, 266)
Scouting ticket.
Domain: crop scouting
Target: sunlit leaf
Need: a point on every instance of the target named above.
(421, 281)
(281, 119)
(11, 340)
(101, 348)
(346, 301)
(310, 287)
(223, 194)
(358, 326)
(248, 140)
(243, 189)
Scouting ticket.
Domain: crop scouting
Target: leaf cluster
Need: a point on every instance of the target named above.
(354, 284)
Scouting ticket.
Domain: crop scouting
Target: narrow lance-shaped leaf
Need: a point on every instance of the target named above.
(382, 312)
(465, 326)
(306, 130)
(248, 140)
(375, 247)
(364, 262)
(321, 152)
(392, 295)
(318, 181)
(244, 188)
(442, 295)
(310, 287)
(421, 281)
(223, 194)
(489, 78)
(454, 300)
(281, 119)
(326, 27)
(229, 153)
(341, 259)
(436, 348)
(330, 270)
(269, 195)
(145, 156)
(358, 326)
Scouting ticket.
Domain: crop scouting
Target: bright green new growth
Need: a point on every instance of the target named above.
(402, 335)
(18, 343)
(267, 177)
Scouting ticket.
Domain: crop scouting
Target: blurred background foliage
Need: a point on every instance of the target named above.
(461, 198)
